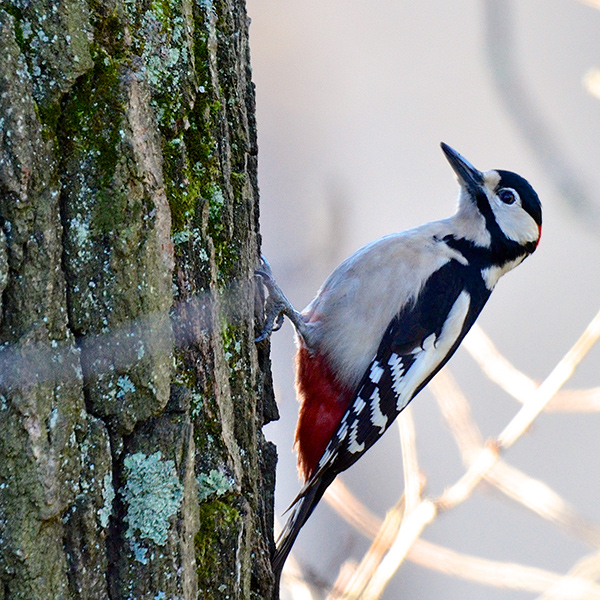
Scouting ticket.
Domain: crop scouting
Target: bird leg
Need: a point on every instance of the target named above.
(277, 305)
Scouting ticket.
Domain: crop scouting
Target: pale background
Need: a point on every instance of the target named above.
(353, 98)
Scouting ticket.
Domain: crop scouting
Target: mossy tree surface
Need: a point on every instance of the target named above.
(132, 395)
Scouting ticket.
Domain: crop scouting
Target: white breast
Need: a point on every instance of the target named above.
(356, 303)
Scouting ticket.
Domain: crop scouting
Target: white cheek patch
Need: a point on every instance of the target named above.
(515, 223)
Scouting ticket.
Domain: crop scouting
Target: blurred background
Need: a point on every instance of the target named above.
(353, 99)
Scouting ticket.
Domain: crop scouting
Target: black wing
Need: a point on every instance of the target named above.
(418, 342)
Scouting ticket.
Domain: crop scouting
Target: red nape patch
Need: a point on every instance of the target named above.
(323, 402)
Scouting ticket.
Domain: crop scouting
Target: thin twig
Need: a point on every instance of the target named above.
(456, 410)
(559, 375)
(518, 385)
(413, 482)
(542, 500)
(497, 367)
(498, 574)
(472, 568)
(410, 530)
(382, 542)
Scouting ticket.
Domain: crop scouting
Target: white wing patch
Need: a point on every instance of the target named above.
(433, 352)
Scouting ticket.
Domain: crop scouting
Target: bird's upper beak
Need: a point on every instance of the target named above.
(467, 174)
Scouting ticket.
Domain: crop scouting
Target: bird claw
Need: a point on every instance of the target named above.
(276, 304)
(273, 322)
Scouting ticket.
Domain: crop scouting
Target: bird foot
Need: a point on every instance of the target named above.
(277, 306)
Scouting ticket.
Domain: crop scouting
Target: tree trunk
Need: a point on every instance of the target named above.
(132, 395)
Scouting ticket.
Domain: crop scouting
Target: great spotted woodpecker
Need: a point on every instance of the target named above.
(389, 318)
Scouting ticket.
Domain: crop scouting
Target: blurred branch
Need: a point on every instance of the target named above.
(413, 480)
(592, 3)
(531, 493)
(559, 375)
(591, 82)
(456, 411)
(515, 383)
(295, 581)
(383, 540)
(498, 368)
(587, 568)
(410, 529)
(455, 564)
(352, 510)
(514, 92)
(499, 574)
(576, 401)
(542, 500)
(488, 456)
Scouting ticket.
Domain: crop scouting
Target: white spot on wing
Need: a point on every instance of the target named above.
(354, 446)
(376, 372)
(325, 458)
(395, 362)
(377, 417)
(429, 342)
(359, 405)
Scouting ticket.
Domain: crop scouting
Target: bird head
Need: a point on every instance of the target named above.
(502, 201)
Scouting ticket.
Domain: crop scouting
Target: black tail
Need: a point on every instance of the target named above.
(301, 510)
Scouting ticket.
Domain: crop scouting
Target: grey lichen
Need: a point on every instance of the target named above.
(125, 386)
(214, 483)
(153, 494)
(108, 495)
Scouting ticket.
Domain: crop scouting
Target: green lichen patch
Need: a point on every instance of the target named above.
(216, 541)
(152, 494)
(182, 186)
(162, 34)
(192, 166)
(91, 137)
(54, 38)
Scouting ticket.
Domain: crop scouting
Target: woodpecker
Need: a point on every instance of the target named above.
(389, 318)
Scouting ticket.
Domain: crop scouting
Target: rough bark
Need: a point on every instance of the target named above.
(132, 395)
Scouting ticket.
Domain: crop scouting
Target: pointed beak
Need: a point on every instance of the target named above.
(467, 174)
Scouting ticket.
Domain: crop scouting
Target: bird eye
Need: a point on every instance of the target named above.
(507, 196)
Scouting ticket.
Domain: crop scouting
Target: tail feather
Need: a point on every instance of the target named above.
(301, 511)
